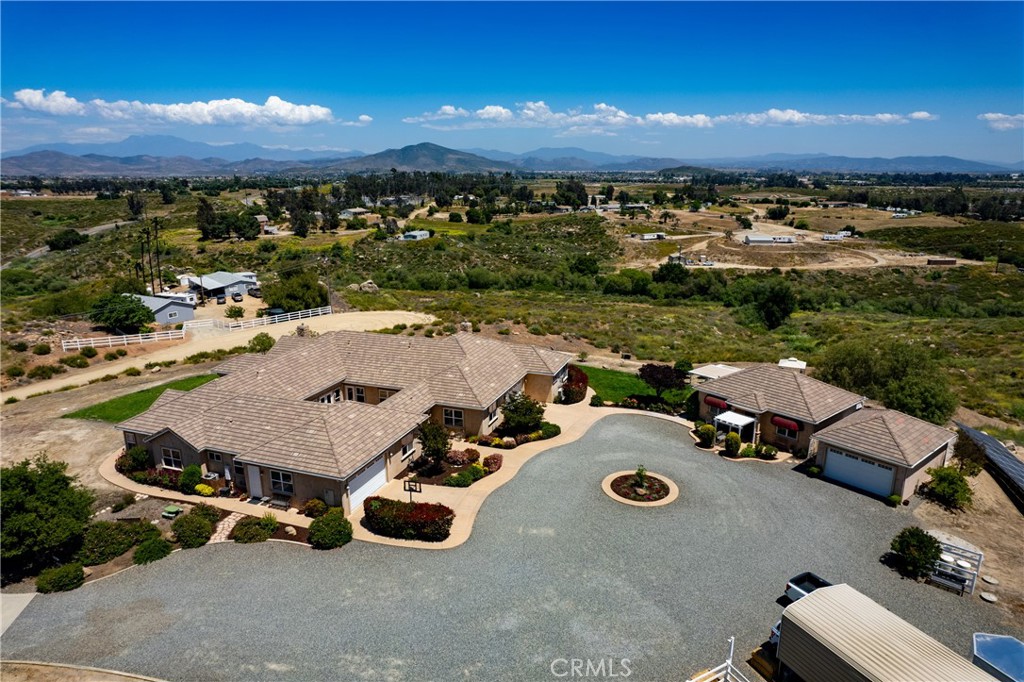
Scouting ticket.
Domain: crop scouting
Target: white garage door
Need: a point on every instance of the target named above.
(865, 474)
(367, 483)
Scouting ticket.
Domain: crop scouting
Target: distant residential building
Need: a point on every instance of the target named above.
(167, 310)
(415, 235)
(221, 283)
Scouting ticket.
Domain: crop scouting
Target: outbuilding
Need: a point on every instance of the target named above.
(168, 310)
(838, 634)
(415, 235)
(758, 239)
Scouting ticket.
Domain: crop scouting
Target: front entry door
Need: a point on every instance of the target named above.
(329, 497)
(252, 478)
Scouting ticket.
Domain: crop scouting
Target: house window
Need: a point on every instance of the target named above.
(356, 393)
(326, 398)
(384, 394)
(239, 470)
(171, 458)
(492, 415)
(453, 418)
(407, 451)
(214, 456)
(129, 438)
(715, 411)
(172, 315)
(281, 483)
(785, 433)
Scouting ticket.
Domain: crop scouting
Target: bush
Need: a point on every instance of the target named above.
(234, 312)
(89, 352)
(14, 371)
(191, 476)
(45, 371)
(408, 520)
(522, 414)
(207, 511)
(463, 457)
(137, 459)
(127, 500)
(269, 522)
(19, 346)
(596, 401)
(261, 343)
(10, 400)
(748, 451)
(314, 508)
(41, 349)
(76, 361)
(133, 371)
(61, 578)
(204, 490)
(894, 500)
(767, 451)
(106, 540)
(814, 471)
(110, 357)
(151, 550)
(549, 430)
(732, 444)
(916, 552)
(706, 435)
(493, 462)
(330, 531)
(575, 388)
(466, 477)
(949, 488)
(192, 530)
(121, 352)
(250, 530)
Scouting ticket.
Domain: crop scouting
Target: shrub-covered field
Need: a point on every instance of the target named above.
(974, 240)
(28, 223)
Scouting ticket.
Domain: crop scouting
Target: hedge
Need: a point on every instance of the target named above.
(106, 540)
(408, 520)
(61, 578)
(151, 550)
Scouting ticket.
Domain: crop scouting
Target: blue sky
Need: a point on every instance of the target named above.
(685, 80)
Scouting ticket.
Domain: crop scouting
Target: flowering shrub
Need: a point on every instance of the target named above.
(575, 388)
(408, 520)
(161, 478)
(492, 463)
(467, 477)
(204, 490)
(463, 457)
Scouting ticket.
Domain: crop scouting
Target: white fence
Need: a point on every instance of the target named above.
(725, 672)
(127, 340)
(259, 321)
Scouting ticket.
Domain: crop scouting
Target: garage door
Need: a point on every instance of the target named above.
(367, 483)
(866, 474)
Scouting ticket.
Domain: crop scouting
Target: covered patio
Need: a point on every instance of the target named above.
(735, 421)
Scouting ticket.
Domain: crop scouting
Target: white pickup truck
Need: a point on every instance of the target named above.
(797, 587)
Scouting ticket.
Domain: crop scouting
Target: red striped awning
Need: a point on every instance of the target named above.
(716, 402)
(786, 423)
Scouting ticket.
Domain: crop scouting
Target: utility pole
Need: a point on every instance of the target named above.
(156, 240)
(149, 251)
(999, 252)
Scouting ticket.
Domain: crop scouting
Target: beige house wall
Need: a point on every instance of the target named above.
(540, 387)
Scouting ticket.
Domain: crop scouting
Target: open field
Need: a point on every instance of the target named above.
(127, 406)
(29, 221)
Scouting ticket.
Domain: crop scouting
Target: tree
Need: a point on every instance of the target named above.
(206, 218)
(665, 217)
(521, 414)
(774, 301)
(684, 366)
(166, 194)
(916, 552)
(662, 377)
(584, 265)
(43, 514)
(949, 488)
(136, 204)
(261, 343)
(436, 443)
(970, 457)
(455, 217)
(332, 219)
(301, 222)
(744, 222)
(777, 212)
(245, 226)
(297, 290)
(121, 312)
(66, 239)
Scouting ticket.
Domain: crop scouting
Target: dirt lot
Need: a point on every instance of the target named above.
(995, 526)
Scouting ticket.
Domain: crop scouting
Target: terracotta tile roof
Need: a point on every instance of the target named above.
(770, 388)
(886, 434)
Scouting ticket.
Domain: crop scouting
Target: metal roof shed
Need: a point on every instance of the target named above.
(838, 634)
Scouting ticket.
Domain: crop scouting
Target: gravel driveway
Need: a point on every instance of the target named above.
(554, 570)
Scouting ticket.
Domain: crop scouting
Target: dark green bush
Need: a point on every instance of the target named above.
(949, 488)
(330, 530)
(208, 512)
(76, 361)
(191, 476)
(61, 578)
(250, 530)
(106, 540)
(111, 356)
(45, 371)
(596, 401)
(137, 458)
(549, 430)
(732, 444)
(41, 349)
(14, 371)
(151, 550)
(314, 508)
(133, 371)
(126, 501)
(19, 346)
(121, 352)
(88, 352)
(915, 551)
(192, 530)
(706, 435)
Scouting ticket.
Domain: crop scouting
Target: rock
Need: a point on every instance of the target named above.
(155, 370)
(989, 597)
(508, 442)
(368, 287)
(465, 326)
(86, 571)
(290, 530)
(990, 580)
(1011, 446)
(353, 287)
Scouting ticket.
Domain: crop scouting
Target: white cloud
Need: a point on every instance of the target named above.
(1003, 122)
(360, 122)
(605, 119)
(57, 102)
(274, 112)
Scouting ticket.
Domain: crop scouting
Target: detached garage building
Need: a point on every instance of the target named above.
(883, 452)
(839, 635)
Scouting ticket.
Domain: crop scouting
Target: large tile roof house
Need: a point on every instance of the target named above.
(335, 416)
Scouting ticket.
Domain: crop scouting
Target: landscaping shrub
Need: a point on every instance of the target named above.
(949, 488)
(493, 462)
(133, 371)
(549, 430)
(814, 471)
(575, 388)
(45, 371)
(19, 346)
(732, 444)
(89, 352)
(596, 401)
(192, 530)
(76, 361)
(330, 530)
(408, 520)
(894, 500)
(748, 451)
(269, 522)
(106, 540)
(463, 457)
(915, 551)
(151, 550)
(207, 511)
(161, 478)
(121, 352)
(466, 477)
(14, 371)
(191, 476)
(127, 500)
(250, 530)
(204, 490)
(61, 578)
(110, 356)
(137, 459)
(522, 414)
(315, 508)
(767, 451)
(706, 435)
(41, 349)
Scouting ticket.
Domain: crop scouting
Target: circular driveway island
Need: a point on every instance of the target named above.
(555, 570)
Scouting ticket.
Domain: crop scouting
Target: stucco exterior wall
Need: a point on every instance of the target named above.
(171, 440)
(539, 387)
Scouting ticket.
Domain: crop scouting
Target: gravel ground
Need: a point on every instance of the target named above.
(552, 571)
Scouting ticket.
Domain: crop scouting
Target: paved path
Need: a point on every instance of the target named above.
(554, 570)
(356, 321)
(11, 606)
(225, 527)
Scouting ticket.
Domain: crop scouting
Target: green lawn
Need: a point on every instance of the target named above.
(127, 406)
(613, 385)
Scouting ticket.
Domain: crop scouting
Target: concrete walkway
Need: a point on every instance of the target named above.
(11, 606)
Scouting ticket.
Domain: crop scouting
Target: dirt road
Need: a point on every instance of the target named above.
(210, 340)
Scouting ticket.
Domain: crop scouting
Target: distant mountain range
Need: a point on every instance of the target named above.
(161, 155)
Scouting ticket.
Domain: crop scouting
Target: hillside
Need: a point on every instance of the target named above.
(422, 157)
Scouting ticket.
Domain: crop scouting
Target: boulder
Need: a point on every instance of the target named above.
(290, 530)
(368, 287)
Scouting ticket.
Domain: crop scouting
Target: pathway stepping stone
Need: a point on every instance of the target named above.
(225, 527)
(990, 580)
(989, 597)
